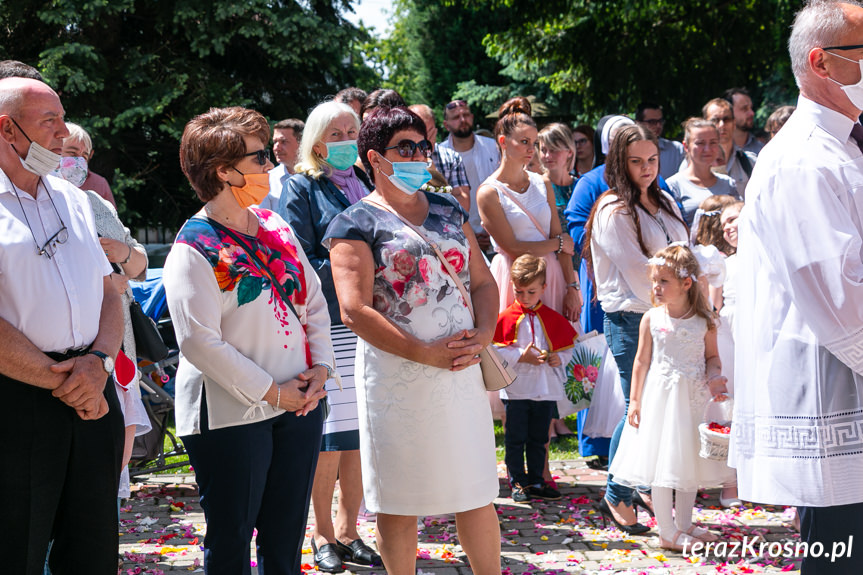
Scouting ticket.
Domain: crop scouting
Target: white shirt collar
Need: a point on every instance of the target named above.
(834, 123)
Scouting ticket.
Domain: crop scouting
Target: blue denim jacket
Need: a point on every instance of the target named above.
(308, 205)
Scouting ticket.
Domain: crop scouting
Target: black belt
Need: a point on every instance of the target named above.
(68, 354)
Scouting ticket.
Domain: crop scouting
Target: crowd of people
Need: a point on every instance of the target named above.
(331, 310)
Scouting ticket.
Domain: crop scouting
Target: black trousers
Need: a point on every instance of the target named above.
(835, 535)
(58, 480)
(256, 476)
(526, 434)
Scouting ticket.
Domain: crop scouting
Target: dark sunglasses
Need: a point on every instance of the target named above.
(456, 104)
(261, 156)
(407, 148)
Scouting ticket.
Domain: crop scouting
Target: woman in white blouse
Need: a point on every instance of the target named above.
(254, 334)
(629, 223)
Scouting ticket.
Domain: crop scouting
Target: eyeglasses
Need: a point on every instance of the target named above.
(407, 148)
(581, 142)
(262, 156)
(654, 122)
(849, 47)
(49, 248)
(456, 104)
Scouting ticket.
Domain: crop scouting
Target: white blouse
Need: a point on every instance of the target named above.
(235, 334)
(619, 266)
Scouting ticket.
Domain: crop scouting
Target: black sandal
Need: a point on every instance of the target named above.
(327, 558)
(360, 553)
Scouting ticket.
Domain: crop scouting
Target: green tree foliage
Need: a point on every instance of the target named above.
(435, 46)
(611, 54)
(133, 72)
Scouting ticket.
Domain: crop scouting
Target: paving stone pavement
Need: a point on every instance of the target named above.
(162, 531)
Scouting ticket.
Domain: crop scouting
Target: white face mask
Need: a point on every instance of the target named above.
(40, 160)
(853, 91)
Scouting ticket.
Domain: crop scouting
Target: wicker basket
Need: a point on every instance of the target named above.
(714, 445)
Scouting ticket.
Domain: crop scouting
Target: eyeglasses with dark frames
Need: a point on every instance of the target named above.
(848, 47)
(49, 248)
(654, 122)
(407, 148)
(262, 156)
(581, 141)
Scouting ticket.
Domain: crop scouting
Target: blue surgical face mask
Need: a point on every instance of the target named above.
(409, 177)
(342, 155)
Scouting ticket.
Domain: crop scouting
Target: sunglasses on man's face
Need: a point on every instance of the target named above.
(456, 104)
(261, 156)
(407, 148)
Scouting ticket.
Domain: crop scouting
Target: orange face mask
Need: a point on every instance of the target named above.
(256, 189)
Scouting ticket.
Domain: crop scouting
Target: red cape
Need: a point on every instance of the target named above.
(557, 329)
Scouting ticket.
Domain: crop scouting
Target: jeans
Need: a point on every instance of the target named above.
(621, 333)
(527, 424)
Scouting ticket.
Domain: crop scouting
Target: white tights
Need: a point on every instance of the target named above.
(662, 504)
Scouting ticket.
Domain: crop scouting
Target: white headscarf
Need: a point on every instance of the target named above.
(611, 125)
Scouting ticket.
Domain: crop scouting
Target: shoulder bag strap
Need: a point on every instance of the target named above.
(520, 206)
(256, 260)
(744, 162)
(447, 266)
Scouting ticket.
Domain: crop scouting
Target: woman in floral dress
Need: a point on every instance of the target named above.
(426, 438)
(254, 336)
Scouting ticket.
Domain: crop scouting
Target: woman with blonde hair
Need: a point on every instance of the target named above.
(557, 152)
(326, 183)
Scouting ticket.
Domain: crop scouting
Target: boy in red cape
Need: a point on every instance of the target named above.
(537, 341)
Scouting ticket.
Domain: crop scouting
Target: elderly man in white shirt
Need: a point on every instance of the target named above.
(61, 325)
(798, 420)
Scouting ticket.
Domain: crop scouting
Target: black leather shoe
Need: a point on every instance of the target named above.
(359, 553)
(327, 558)
(605, 512)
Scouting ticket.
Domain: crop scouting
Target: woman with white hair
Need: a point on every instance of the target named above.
(325, 184)
(74, 165)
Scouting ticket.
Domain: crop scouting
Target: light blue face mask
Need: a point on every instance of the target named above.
(409, 177)
(342, 155)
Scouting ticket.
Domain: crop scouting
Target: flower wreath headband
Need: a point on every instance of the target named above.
(682, 273)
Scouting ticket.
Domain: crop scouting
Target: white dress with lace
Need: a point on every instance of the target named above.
(663, 450)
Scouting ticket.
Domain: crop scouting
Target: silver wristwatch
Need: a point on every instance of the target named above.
(107, 360)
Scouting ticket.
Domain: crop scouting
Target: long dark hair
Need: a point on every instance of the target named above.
(627, 193)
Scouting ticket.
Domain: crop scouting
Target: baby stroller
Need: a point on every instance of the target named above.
(149, 453)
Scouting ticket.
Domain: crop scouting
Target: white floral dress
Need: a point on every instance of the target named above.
(663, 450)
(426, 434)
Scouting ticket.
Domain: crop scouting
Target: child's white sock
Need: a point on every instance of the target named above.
(662, 504)
(684, 503)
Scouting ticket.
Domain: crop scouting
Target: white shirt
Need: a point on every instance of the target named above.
(798, 326)
(620, 269)
(278, 176)
(55, 302)
(479, 163)
(535, 382)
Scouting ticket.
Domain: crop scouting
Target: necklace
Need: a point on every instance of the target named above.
(685, 314)
(211, 212)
